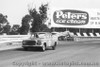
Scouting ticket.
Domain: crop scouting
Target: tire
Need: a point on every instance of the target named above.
(59, 39)
(54, 47)
(44, 47)
(25, 48)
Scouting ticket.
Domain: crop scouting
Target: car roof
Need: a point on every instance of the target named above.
(41, 32)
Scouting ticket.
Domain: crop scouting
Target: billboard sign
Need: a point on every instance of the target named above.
(71, 17)
(79, 18)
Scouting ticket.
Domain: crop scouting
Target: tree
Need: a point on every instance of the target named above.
(7, 28)
(39, 18)
(4, 24)
(44, 28)
(3, 19)
(25, 24)
(1, 29)
(15, 30)
(43, 12)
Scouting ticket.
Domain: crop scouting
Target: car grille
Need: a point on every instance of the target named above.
(30, 43)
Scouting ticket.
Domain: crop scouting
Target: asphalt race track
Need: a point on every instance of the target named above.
(67, 54)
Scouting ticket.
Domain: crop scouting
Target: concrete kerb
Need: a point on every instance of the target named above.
(87, 38)
(11, 41)
(10, 45)
(9, 48)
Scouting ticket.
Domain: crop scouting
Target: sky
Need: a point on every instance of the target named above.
(17, 9)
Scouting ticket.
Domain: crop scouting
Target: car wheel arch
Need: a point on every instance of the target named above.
(55, 43)
(45, 44)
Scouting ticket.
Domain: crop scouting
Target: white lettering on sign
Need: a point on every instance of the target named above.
(69, 15)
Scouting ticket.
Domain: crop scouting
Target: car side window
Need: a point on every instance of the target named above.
(36, 35)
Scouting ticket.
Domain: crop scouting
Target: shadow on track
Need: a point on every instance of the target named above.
(38, 49)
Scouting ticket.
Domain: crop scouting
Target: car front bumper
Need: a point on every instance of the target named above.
(31, 45)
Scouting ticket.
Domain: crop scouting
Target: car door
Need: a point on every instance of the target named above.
(52, 39)
(49, 40)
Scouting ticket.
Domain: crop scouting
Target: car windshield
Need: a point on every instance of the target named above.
(41, 35)
(38, 35)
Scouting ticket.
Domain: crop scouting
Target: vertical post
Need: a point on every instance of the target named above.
(66, 29)
(79, 30)
(92, 31)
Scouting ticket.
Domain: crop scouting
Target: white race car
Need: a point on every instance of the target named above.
(40, 39)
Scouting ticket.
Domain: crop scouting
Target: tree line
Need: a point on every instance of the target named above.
(32, 22)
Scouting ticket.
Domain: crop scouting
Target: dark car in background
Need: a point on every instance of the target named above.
(67, 37)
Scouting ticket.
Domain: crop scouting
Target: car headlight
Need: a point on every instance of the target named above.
(39, 42)
(23, 42)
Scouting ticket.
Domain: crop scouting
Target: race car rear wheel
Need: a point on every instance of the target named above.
(54, 46)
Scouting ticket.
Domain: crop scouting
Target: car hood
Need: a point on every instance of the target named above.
(34, 39)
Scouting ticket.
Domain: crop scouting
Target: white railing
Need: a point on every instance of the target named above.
(85, 34)
(12, 38)
(97, 34)
(78, 34)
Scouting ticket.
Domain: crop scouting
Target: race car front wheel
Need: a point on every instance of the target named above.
(25, 48)
(44, 47)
